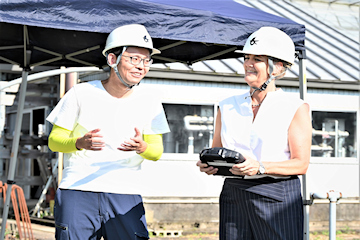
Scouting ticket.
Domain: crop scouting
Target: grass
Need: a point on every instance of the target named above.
(343, 234)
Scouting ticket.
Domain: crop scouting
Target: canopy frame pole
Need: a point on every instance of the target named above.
(305, 192)
(16, 140)
(14, 152)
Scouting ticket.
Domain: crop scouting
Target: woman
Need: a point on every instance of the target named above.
(272, 129)
(106, 129)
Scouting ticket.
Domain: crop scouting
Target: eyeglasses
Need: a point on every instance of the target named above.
(136, 61)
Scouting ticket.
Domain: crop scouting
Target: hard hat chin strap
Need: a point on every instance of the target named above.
(114, 66)
(272, 77)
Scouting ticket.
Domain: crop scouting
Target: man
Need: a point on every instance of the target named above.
(106, 129)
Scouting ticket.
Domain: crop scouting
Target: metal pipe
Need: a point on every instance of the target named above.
(330, 133)
(14, 151)
(49, 73)
(43, 193)
(191, 143)
(332, 220)
(336, 138)
(333, 198)
(215, 55)
(303, 94)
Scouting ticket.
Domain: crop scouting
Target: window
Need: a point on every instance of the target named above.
(334, 134)
(33, 122)
(191, 128)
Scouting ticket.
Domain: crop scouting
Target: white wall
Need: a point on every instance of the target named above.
(177, 175)
(337, 174)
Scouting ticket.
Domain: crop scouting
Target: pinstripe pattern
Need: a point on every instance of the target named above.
(262, 209)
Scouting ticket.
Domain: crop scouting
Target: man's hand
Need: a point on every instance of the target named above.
(135, 143)
(91, 141)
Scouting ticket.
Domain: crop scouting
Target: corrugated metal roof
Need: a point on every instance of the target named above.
(332, 40)
(348, 2)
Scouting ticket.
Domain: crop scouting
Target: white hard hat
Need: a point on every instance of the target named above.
(271, 42)
(130, 35)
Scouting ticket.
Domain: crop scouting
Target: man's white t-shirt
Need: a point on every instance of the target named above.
(88, 106)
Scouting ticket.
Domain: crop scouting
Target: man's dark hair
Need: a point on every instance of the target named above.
(119, 50)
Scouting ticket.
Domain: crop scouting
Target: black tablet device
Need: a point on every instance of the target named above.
(221, 158)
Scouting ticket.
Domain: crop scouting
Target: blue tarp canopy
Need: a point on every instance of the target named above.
(73, 33)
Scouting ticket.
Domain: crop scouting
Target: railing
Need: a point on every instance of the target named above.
(20, 209)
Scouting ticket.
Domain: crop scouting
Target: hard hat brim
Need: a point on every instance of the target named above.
(261, 54)
(153, 50)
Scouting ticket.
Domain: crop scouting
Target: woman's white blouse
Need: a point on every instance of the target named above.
(265, 138)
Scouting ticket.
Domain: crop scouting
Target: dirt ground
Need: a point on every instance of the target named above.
(313, 236)
(40, 235)
(47, 233)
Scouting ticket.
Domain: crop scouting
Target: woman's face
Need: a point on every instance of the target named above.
(256, 69)
(132, 74)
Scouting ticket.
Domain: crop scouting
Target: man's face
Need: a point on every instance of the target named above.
(130, 73)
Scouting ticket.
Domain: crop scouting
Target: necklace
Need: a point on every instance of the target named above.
(255, 105)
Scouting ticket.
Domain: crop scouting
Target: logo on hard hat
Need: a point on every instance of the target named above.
(253, 41)
(145, 39)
